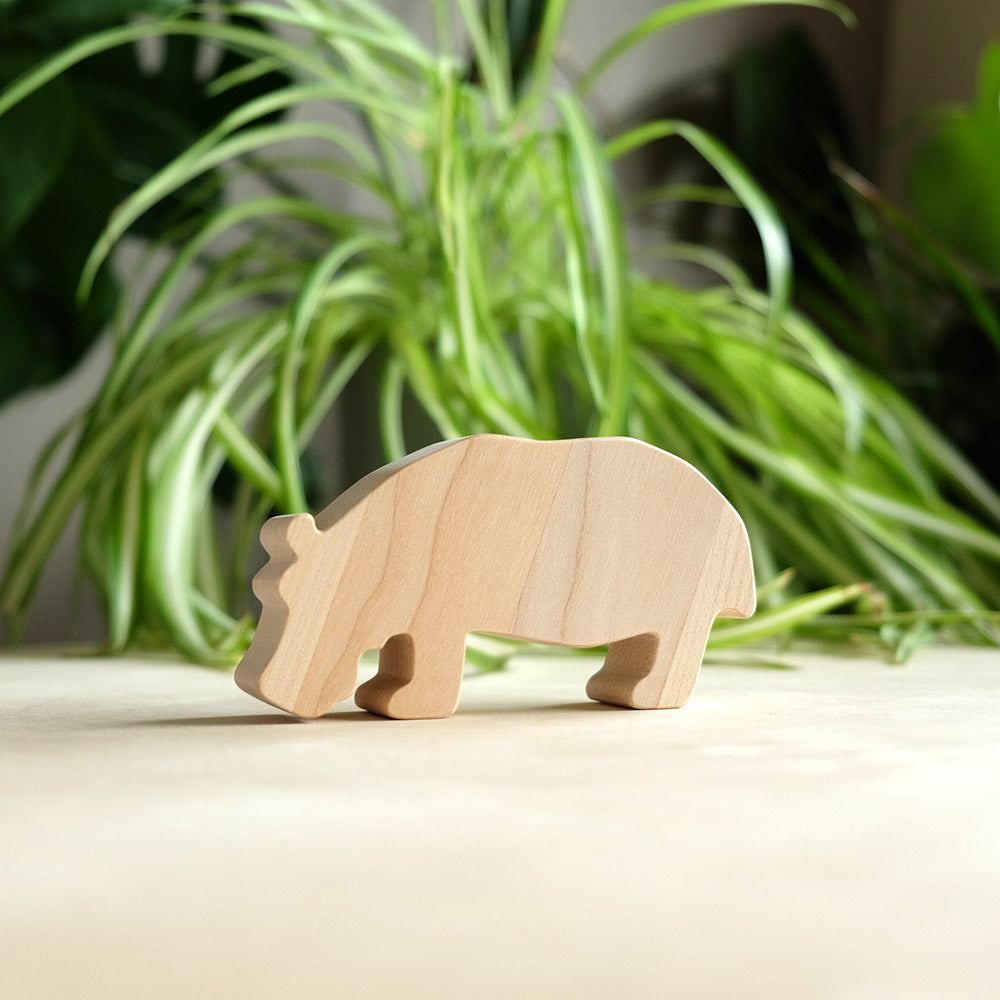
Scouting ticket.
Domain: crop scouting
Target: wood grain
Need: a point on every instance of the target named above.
(576, 543)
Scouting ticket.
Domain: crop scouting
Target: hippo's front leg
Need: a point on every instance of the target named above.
(418, 677)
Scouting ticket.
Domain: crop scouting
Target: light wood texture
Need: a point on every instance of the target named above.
(823, 833)
(576, 543)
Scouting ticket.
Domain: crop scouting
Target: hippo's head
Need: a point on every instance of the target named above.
(278, 667)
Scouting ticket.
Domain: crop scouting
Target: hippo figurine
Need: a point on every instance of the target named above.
(576, 543)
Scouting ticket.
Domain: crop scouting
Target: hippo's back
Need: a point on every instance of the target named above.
(553, 541)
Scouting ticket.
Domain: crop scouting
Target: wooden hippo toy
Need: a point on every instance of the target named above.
(576, 543)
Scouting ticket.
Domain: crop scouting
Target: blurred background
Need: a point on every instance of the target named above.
(904, 57)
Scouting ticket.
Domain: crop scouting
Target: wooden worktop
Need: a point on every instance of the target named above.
(828, 832)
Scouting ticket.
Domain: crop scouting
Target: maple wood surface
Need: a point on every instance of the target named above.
(579, 543)
(822, 833)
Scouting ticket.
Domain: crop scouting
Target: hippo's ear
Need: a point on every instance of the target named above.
(288, 534)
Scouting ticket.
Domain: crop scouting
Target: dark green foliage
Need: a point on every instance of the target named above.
(954, 178)
(74, 150)
(891, 291)
(778, 108)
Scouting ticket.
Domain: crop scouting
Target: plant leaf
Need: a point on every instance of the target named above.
(677, 13)
(952, 179)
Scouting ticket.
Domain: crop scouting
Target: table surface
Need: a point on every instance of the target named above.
(830, 831)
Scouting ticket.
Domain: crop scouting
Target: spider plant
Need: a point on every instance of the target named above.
(489, 282)
(914, 294)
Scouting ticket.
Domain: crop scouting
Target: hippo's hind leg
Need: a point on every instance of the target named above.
(416, 679)
(650, 670)
(628, 663)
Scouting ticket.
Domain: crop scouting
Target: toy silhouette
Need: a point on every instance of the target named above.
(575, 543)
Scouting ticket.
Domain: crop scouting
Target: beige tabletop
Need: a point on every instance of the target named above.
(830, 832)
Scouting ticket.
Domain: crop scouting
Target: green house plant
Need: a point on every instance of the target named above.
(72, 151)
(489, 284)
(910, 288)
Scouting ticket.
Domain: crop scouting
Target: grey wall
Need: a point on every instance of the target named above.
(63, 610)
